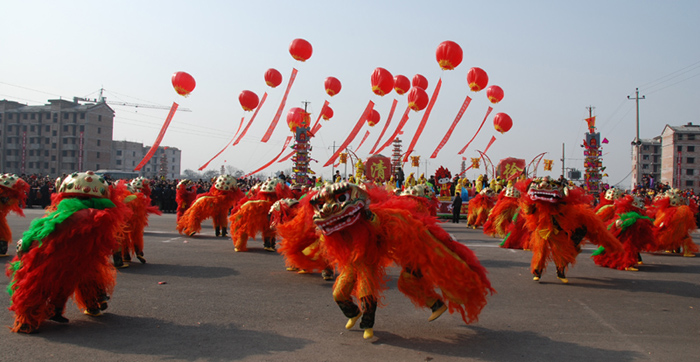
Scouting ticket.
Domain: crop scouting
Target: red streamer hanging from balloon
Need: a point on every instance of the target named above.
(276, 119)
(477, 131)
(223, 149)
(466, 103)
(245, 130)
(423, 121)
(386, 125)
(353, 133)
(402, 122)
(154, 148)
(363, 141)
(286, 143)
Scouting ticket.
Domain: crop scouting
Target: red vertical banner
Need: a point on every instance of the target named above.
(262, 101)
(423, 121)
(353, 133)
(286, 143)
(22, 168)
(363, 141)
(323, 109)
(493, 138)
(272, 126)
(285, 158)
(452, 127)
(386, 125)
(153, 149)
(402, 122)
(80, 152)
(488, 111)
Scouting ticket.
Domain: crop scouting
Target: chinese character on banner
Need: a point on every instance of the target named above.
(415, 161)
(343, 157)
(548, 165)
(475, 162)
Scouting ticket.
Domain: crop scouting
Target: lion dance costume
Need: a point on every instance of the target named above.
(501, 215)
(558, 219)
(251, 217)
(139, 201)
(479, 208)
(13, 196)
(675, 221)
(67, 253)
(363, 238)
(215, 204)
(634, 230)
(185, 195)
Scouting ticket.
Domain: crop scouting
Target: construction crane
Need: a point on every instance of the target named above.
(102, 99)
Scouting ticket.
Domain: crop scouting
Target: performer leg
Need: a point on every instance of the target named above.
(369, 307)
(342, 295)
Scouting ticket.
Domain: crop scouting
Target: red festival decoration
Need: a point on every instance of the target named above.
(401, 84)
(378, 168)
(448, 55)
(417, 99)
(382, 82)
(477, 79)
(183, 83)
(249, 100)
(327, 113)
(494, 93)
(374, 118)
(332, 85)
(420, 81)
(502, 122)
(161, 134)
(295, 118)
(273, 77)
(300, 49)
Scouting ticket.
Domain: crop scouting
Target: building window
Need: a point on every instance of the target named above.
(689, 172)
(645, 157)
(33, 115)
(53, 158)
(64, 153)
(24, 116)
(82, 128)
(690, 160)
(691, 137)
(65, 116)
(99, 130)
(679, 136)
(691, 148)
(9, 116)
(645, 166)
(32, 128)
(119, 162)
(99, 118)
(82, 115)
(98, 155)
(679, 148)
(119, 152)
(689, 183)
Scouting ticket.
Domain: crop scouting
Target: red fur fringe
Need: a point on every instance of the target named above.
(250, 220)
(300, 244)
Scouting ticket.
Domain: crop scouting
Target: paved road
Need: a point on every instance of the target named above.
(198, 300)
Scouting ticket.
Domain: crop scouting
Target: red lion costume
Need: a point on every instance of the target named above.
(558, 219)
(139, 201)
(68, 253)
(13, 197)
(215, 204)
(501, 215)
(362, 238)
(675, 221)
(185, 195)
(479, 208)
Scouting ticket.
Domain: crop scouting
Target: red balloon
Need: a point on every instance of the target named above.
(332, 85)
(183, 83)
(420, 81)
(373, 118)
(401, 84)
(448, 55)
(382, 82)
(273, 77)
(297, 117)
(300, 49)
(477, 79)
(502, 122)
(327, 113)
(249, 100)
(494, 93)
(417, 99)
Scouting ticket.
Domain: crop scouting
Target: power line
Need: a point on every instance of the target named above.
(670, 74)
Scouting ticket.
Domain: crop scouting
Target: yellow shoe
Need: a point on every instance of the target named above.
(369, 333)
(563, 280)
(192, 233)
(437, 313)
(93, 312)
(236, 249)
(631, 268)
(536, 278)
(351, 322)
(689, 254)
(292, 269)
(303, 271)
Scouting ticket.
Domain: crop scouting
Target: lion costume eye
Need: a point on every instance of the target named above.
(343, 197)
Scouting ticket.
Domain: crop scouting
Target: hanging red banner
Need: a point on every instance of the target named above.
(477, 131)
(465, 170)
(423, 121)
(285, 158)
(353, 133)
(402, 123)
(315, 129)
(222, 150)
(323, 109)
(154, 148)
(363, 141)
(466, 103)
(245, 130)
(493, 138)
(386, 125)
(286, 143)
(267, 135)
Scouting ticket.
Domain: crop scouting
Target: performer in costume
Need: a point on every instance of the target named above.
(634, 230)
(675, 221)
(251, 217)
(139, 201)
(215, 204)
(425, 198)
(13, 197)
(363, 238)
(66, 253)
(558, 219)
(479, 208)
(300, 240)
(606, 209)
(502, 213)
(185, 194)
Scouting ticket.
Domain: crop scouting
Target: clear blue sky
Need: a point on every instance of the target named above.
(552, 58)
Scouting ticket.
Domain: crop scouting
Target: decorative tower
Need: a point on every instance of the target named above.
(396, 157)
(593, 163)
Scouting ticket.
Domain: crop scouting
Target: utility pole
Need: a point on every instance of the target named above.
(563, 158)
(333, 166)
(637, 142)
